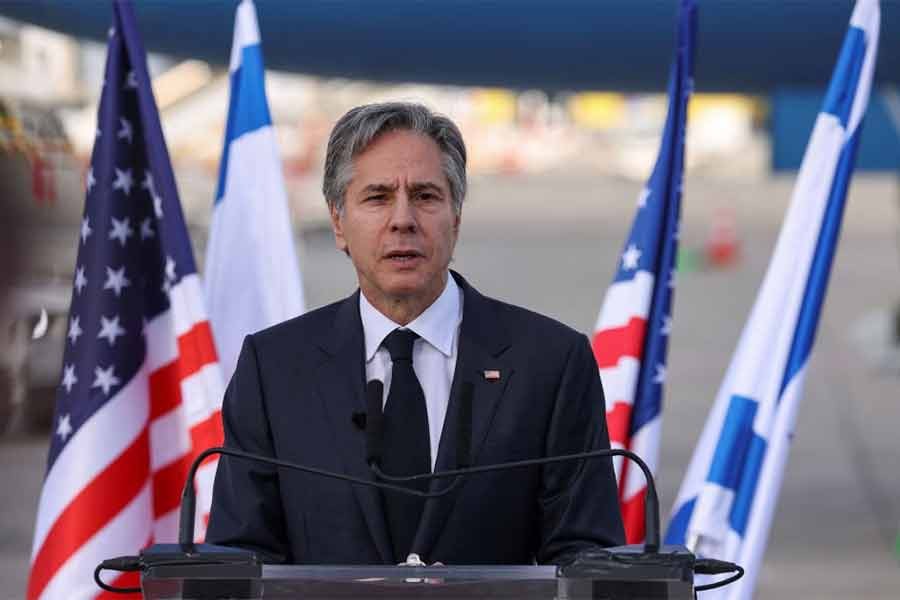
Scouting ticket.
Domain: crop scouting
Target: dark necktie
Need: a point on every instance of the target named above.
(407, 450)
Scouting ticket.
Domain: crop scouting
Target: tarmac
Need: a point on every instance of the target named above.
(550, 243)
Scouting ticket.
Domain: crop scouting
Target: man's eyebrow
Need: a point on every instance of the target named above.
(380, 187)
(418, 186)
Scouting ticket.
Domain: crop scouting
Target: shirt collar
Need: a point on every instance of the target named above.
(437, 325)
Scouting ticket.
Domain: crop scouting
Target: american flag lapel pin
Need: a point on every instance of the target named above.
(492, 375)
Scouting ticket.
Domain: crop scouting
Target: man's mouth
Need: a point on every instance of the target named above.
(402, 256)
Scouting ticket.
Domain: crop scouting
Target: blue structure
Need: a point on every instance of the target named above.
(794, 112)
(622, 45)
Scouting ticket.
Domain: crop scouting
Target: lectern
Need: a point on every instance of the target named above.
(617, 574)
(186, 571)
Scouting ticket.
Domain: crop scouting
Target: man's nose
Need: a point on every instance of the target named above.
(403, 217)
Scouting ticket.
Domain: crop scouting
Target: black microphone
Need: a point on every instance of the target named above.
(358, 419)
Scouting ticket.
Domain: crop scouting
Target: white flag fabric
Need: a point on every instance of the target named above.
(252, 275)
(725, 506)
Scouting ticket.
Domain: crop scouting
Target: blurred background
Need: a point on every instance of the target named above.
(555, 172)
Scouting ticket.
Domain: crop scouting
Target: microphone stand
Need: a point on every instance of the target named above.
(189, 495)
(651, 507)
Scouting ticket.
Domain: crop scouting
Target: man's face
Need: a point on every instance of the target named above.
(398, 223)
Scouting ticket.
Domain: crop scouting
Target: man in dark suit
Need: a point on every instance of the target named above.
(395, 183)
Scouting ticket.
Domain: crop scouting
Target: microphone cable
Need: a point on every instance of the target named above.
(711, 566)
(125, 564)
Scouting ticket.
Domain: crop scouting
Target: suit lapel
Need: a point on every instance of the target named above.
(482, 343)
(340, 382)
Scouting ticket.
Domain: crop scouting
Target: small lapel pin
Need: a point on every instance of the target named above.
(492, 375)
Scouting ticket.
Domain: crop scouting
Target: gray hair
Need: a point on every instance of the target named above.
(360, 126)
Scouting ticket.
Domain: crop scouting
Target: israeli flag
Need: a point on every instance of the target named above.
(725, 506)
(252, 278)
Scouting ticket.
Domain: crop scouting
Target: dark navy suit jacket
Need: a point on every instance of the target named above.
(293, 394)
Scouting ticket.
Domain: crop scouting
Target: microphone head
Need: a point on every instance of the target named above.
(358, 418)
(374, 421)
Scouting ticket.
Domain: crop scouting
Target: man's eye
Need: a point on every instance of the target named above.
(374, 198)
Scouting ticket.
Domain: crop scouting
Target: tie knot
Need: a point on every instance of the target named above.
(399, 344)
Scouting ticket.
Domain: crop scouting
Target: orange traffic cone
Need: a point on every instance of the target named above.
(722, 246)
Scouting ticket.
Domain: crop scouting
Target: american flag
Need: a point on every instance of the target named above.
(630, 339)
(141, 387)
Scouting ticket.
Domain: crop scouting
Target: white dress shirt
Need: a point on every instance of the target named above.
(434, 353)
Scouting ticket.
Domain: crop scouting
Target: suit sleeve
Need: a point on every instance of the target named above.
(578, 502)
(246, 506)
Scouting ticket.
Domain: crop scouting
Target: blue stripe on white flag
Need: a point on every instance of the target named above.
(820, 272)
(737, 431)
(678, 523)
(839, 102)
(842, 90)
(743, 498)
(252, 110)
(248, 109)
(737, 459)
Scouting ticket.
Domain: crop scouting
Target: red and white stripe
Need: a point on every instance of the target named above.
(116, 485)
(618, 344)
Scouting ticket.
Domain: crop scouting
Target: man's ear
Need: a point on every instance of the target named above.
(338, 230)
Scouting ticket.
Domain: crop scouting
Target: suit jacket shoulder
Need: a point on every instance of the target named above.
(533, 339)
(523, 323)
(312, 326)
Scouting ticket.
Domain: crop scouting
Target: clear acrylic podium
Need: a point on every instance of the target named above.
(527, 582)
